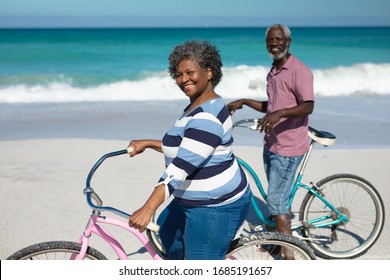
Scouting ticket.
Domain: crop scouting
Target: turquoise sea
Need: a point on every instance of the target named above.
(62, 78)
(62, 65)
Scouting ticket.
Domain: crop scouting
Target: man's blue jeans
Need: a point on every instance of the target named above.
(280, 172)
(201, 233)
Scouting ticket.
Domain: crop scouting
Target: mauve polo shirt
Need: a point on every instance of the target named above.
(286, 88)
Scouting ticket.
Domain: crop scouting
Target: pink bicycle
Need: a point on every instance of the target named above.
(261, 245)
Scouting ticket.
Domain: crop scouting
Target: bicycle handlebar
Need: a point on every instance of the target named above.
(322, 137)
(255, 126)
(94, 200)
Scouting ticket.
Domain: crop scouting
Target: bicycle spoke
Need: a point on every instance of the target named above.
(354, 198)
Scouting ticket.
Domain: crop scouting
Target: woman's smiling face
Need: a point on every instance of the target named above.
(192, 79)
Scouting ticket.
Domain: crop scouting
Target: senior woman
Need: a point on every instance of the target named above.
(211, 193)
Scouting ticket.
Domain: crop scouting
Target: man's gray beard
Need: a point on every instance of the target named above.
(279, 56)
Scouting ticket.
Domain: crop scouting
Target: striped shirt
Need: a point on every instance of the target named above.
(201, 169)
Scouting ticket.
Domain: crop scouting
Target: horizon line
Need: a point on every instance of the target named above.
(189, 27)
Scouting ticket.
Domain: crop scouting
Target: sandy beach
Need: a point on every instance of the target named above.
(41, 184)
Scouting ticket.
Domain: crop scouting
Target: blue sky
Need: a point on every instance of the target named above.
(211, 13)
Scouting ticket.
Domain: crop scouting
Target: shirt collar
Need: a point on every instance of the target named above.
(286, 65)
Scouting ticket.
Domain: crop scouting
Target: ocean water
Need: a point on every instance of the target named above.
(101, 82)
(72, 65)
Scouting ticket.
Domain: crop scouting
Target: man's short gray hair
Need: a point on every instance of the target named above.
(286, 30)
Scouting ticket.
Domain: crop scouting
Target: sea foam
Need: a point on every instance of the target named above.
(237, 82)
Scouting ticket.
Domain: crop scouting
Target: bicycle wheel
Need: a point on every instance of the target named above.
(55, 250)
(354, 197)
(267, 246)
(154, 240)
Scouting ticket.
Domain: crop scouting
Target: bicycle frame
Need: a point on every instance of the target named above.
(93, 227)
(319, 222)
(96, 220)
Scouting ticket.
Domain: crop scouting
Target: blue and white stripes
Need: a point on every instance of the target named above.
(200, 166)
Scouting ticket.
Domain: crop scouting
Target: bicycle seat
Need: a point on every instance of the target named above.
(322, 137)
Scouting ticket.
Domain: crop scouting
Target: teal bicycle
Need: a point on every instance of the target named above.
(340, 217)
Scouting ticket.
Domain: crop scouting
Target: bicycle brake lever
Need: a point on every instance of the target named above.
(255, 127)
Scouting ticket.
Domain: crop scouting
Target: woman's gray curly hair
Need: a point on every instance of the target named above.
(206, 54)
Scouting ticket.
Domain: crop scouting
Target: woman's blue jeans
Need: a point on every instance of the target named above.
(201, 233)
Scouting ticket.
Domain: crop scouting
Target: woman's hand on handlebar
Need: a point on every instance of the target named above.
(136, 147)
(141, 218)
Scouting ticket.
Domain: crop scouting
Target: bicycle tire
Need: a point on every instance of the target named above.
(54, 250)
(266, 246)
(154, 240)
(355, 197)
(153, 236)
